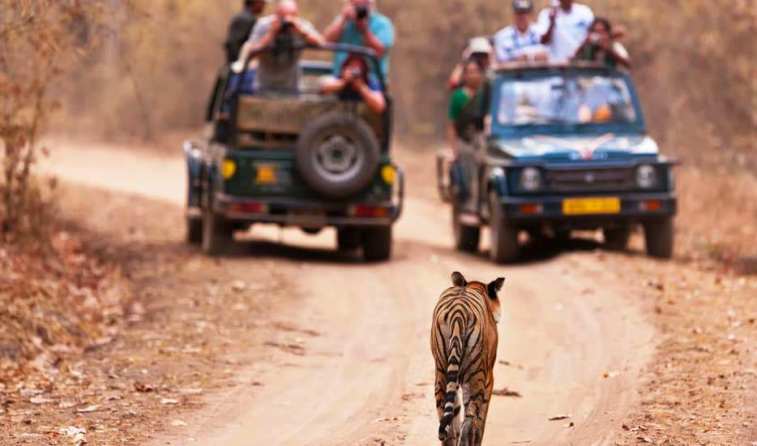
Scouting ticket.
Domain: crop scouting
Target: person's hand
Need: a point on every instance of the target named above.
(276, 24)
(237, 67)
(298, 25)
(348, 12)
(553, 14)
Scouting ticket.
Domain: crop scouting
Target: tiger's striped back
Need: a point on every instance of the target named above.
(464, 345)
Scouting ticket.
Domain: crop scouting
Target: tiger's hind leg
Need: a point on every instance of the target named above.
(477, 398)
(440, 390)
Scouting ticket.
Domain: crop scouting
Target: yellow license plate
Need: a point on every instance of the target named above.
(591, 206)
(266, 174)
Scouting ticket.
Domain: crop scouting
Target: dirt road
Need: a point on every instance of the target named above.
(353, 366)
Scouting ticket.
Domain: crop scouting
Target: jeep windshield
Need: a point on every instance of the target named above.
(564, 101)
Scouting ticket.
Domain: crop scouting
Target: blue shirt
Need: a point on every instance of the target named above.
(380, 26)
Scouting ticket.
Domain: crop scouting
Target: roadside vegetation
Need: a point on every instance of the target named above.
(57, 299)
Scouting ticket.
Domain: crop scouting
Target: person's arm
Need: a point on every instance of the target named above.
(259, 40)
(370, 39)
(456, 77)
(334, 31)
(456, 104)
(546, 38)
(619, 53)
(234, 36)
(333, 85)
(373, 99)
(309, 33)
(452, 140)
(578, 55)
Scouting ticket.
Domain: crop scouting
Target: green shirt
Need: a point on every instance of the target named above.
(457, 103)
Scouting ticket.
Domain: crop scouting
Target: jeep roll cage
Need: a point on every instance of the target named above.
(224, 107)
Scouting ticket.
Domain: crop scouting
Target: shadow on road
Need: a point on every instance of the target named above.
(258, 249)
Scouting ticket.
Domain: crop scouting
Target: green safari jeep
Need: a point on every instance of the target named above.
(295, 158)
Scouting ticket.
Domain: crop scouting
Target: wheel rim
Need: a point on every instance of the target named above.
(337, 158)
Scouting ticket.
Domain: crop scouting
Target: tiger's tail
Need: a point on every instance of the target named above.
(453, 371)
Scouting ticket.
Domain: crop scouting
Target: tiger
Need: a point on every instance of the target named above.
(464, 345)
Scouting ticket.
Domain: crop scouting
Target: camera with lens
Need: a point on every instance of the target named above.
(361, 12)
(286, 27)
(355, 73)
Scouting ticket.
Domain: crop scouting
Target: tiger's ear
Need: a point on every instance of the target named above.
(458, 279)
(494, 287)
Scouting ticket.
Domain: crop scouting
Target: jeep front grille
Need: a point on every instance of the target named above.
(590, 180)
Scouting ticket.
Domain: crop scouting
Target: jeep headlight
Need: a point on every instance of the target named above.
(646, 176)
(530, 179)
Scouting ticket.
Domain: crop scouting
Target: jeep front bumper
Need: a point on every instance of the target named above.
(632, 208)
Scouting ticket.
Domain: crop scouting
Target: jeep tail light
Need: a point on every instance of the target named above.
(650, 205)
(365, 211)
(250, 207)
(531, 209)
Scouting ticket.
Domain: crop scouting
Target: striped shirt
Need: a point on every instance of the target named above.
(510, 44)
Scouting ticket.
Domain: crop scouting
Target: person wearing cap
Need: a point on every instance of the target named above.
(241, 26)
(520, 41)
(563, 27)
(361, 24)
(479, 50)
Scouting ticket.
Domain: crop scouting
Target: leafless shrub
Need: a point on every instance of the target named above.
(38, 38)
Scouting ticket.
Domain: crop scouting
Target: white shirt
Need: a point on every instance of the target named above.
(570, 30)
(510, 44)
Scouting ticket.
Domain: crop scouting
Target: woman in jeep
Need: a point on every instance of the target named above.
(355, 83)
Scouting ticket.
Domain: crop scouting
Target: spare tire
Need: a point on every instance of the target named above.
(338, 155)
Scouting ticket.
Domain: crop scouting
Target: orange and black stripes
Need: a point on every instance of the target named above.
(464, 344)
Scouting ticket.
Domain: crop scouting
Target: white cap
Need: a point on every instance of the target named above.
(479, 45)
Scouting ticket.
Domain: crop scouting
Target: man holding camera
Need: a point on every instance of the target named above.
(361, 24)
(564, 26)
(277, 42)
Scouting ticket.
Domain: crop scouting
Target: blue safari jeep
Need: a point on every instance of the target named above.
(552, 149)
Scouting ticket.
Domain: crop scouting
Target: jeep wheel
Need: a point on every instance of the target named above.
(377, 243)
(338, 155)
(504, 237)
(347, 239)
(616, 239)
(217, 234)
(659, 237)
(194, 230)
(467, 238)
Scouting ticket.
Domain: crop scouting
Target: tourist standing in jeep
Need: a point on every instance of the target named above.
(564, 26)
(361, 24)
(241, 26)
(520, 41)
(279, 69)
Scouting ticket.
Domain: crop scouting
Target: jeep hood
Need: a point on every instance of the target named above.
(571, 148)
